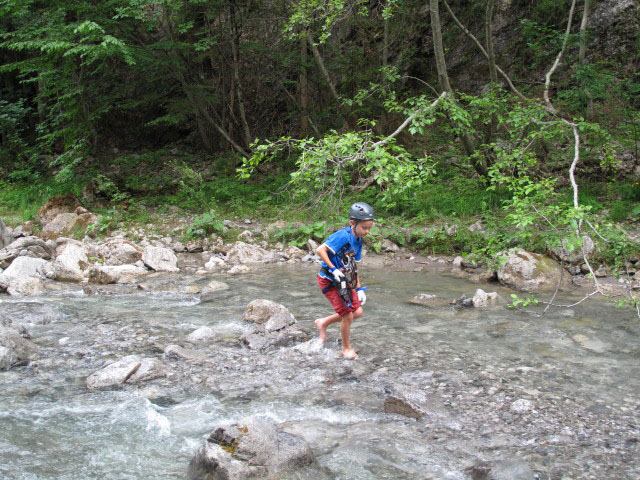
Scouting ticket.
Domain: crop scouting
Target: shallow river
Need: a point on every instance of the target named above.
(575, 375)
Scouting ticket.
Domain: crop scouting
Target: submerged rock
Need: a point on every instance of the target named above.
(251, 448)
(202, 334)
(18, 350)
(130, 369)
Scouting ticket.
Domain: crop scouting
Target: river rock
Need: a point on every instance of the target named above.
(522, 405)
(214, 286)
(243, 253)
(261, 310)
(25, 247)
(252, 448)
(71, 264)
(104, 274)
(575, 256)
(56, 205)
(215, 264)
(293, 253)
(25, 287)
(176, 352)
(6, 236)
(8, 358)
(119, 251)
(414, 402)
(202, 334)
(502, 469)
(530, 272)
(130, 369)
(160, 259)
(429, 300)
(67, 224)
(23, 267)
(483, 299)
(239, 270)
(19, 349)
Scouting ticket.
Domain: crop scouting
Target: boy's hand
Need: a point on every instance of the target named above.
(337, 273)
(361, 295)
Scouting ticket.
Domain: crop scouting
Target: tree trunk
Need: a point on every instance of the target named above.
(438, 49)
(235, 43)
(304, 88)
(443, 77)
(493, 72)
(582, 54)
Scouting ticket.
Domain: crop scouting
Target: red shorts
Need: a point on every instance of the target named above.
(334, 298)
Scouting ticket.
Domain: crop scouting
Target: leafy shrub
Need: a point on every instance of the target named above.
(204, 225)
(297, 234)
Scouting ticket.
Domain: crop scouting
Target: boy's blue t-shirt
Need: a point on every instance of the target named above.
(342, 242)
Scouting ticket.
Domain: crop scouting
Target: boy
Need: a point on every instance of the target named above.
(338, 278)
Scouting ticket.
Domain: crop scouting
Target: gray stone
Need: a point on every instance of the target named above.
(65, 224)
(243, 253)
(71, 264)
(25, 287)
(20, 347)
(105, 274)
(429, 300)
(279, 320)
(23, 267)
(130, 369)
(6, 236)
(252, 448)
(215, 264)
(530, 272)
(176, 352)
(294, 253)
(483, 299)
(119, 251)
(160, 259)
(261, 310)
(25, 247)
(202, 334)
(8, 358)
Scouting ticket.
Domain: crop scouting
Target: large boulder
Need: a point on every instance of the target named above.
(6, 237)
(251, 448)
(25, 247)
(274, 326)
(104, 274)
(72, 263)
(25, 287)
(119, 251)
(530, 272)
(68, 224)
(160, 259)
(23, 267)
(243, 253)
(16, 350)
(55, 206)
(130, 369)
(261, 310)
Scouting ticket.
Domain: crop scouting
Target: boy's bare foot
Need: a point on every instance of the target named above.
(349, 354)
(323, 329)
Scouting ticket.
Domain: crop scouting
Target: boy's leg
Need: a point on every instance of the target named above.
(322, 324)
(345, 331)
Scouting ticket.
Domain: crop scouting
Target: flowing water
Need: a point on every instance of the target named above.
(575, 373)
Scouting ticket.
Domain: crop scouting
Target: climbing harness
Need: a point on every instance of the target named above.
(348, 282)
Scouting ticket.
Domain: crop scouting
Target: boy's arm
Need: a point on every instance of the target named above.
(322, 253)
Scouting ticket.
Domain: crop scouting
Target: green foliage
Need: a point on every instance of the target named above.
(204, 225)
(297, 234)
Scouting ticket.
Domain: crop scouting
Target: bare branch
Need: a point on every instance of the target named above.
(547, 77)
(484, 52)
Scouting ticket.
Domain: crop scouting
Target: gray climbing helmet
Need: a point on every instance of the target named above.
(361, 211)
